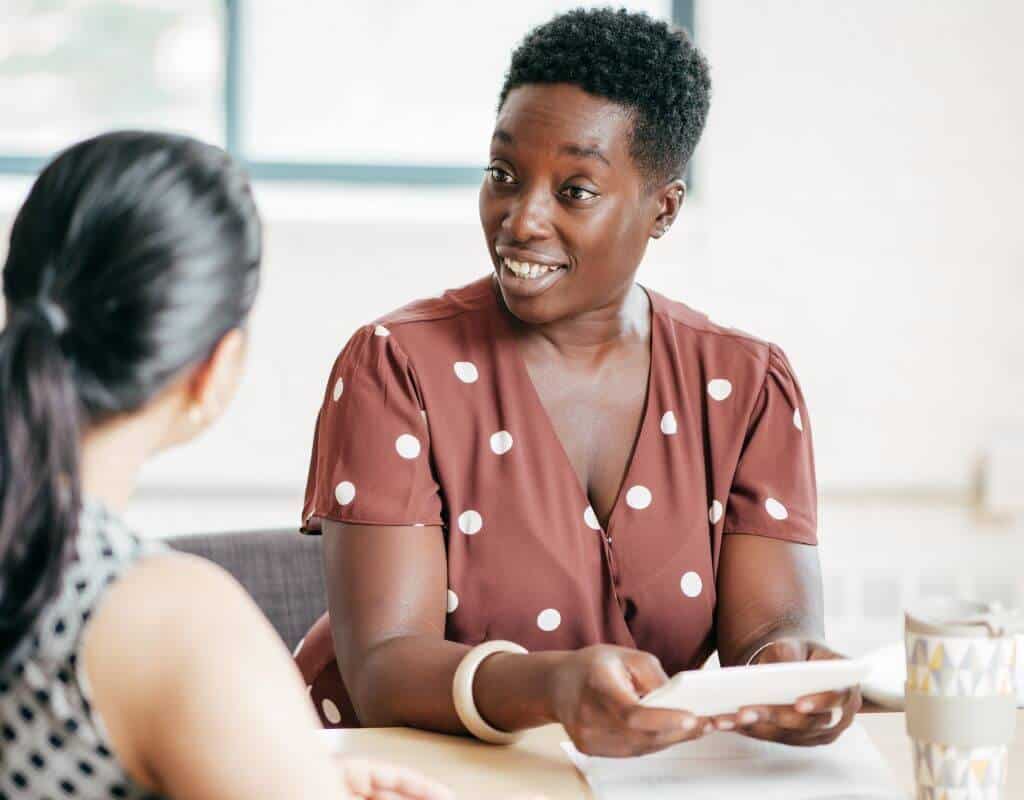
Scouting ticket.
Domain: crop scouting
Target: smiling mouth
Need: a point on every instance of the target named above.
(528, 271)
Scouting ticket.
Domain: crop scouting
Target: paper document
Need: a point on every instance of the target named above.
(726, 765)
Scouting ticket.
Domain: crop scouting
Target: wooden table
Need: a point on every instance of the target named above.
(537, 765)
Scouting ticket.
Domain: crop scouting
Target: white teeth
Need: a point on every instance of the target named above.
(522, 269)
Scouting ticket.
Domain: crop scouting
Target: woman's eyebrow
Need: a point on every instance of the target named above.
(580, 151)
(570, 148)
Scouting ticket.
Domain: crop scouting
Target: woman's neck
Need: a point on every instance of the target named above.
(112, 455)
(624, 320)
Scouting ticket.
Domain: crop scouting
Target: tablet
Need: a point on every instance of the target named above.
(707, 692)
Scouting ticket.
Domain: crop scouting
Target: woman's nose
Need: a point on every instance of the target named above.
(528, 218)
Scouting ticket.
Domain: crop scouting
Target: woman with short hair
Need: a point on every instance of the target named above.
(542, 492)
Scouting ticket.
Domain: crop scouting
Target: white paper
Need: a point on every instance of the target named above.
(727, 765)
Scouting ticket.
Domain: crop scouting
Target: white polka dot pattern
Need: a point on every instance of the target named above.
(466, 371)
(715, 512)
(669, 426)
(470, 522)
(591, 519)
(501, 442)
(719, 389)
(691, 584)
(775, 509)
(408, 446)
(638, 497)
(345, 493)
(798, 421)
(380, 330)
(453, 601)
(331, 712)
(549, 619)
(339, 387)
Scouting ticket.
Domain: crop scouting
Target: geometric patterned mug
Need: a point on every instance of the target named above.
(961, 703)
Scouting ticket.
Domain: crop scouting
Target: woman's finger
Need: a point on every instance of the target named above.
(646, 671)
(372, 779)
(765, 730)
(788, 717)
(824, 701)
(654, 742)
(660, 720)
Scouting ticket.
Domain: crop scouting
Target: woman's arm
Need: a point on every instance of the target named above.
(768, 589)
(387, 593)
(387, 590)
(770, 609)
(201, 699)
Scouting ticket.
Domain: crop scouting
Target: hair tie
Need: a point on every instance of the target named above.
(52, 314)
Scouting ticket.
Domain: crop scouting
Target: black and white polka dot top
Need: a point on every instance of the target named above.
(53, 743)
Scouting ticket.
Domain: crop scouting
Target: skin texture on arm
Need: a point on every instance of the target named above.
(769, 593)
(767, 589)
(386, 592)
(386, 589)
(201, 699)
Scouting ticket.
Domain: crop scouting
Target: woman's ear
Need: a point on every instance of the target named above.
(214, 382)
(670, 199)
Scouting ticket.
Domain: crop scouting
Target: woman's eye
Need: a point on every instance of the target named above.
(498, 175)
(579, 193)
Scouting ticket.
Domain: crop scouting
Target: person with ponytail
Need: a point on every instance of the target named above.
(127, 670)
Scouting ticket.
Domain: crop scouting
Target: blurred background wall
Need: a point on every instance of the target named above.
(856, 199)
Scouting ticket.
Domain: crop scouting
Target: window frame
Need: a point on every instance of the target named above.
(379, 174)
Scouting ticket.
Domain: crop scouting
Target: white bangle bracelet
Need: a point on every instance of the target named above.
(462, 692)
(759, 650)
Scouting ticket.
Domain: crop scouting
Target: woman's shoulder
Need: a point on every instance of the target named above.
(427, 328)
(712, 336)
(469, 300)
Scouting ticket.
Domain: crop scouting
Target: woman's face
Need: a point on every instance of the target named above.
(566, 211)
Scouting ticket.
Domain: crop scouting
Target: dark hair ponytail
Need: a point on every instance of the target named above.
(132, 256)
(38, 466)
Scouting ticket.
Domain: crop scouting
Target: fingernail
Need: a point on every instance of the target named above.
(748, 717)
(726, 724)
(689, 723)
(804, 706)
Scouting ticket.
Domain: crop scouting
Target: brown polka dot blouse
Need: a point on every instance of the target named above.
(430, 418)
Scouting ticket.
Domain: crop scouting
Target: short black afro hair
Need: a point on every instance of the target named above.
(647, 66)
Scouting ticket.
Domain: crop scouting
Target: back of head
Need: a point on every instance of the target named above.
(647, 66)
(132, 256)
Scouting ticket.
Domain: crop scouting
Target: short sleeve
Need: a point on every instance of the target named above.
(774, 491)
(371, 462)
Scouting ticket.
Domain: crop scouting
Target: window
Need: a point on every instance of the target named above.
(72, 69)
(393, 91)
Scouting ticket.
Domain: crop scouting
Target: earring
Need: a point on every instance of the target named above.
(195, 415)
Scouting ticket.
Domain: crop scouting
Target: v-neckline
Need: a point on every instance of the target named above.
(552, 433)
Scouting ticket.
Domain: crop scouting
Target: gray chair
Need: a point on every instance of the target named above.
(281, 569)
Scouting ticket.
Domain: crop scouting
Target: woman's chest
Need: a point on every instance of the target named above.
(594, 416)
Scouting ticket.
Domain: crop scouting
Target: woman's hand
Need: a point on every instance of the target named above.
(812, 720)
(370, 780)
(595, 693)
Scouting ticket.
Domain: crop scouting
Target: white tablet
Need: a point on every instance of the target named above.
(706, 692)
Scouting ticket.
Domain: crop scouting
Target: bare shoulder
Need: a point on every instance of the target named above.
(166, 588)
(163, 623)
